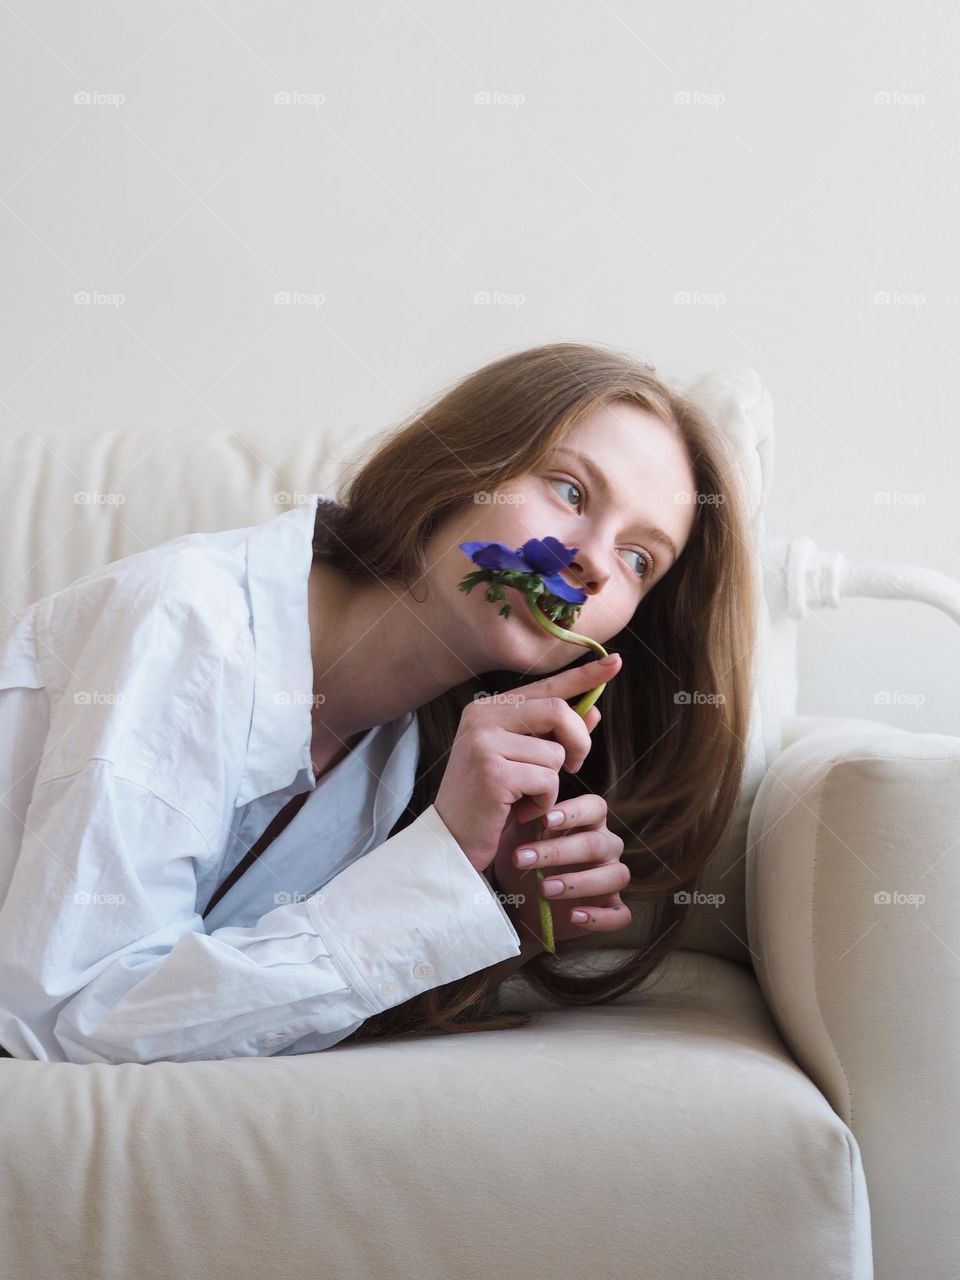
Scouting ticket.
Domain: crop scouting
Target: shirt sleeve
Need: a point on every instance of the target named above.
(104, 957)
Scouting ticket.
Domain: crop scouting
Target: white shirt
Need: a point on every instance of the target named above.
(154, 717)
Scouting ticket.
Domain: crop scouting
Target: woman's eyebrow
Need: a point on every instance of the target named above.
(600, 480)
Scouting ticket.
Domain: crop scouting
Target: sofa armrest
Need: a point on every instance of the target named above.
(852, 885)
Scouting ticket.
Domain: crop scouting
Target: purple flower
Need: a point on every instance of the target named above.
(539, 556)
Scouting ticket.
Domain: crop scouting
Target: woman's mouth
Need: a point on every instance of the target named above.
(519, 604)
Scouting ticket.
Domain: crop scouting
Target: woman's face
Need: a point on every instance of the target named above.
(612, 480)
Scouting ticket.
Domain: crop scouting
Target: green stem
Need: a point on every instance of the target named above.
(581, 708)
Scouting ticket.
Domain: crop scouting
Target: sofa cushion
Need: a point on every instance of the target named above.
(667, 1134)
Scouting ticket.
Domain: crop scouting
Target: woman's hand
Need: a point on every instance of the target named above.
(579, 851)
(507, 753)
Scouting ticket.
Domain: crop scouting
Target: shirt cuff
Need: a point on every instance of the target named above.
(411, 914)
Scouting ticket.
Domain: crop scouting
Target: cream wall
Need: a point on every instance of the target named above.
(783, 166)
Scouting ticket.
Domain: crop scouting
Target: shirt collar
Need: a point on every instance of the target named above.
(279, 556)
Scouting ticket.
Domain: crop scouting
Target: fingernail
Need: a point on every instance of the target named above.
(610, 659)
(526, 857)
(551, 888)
(578, 916)
(555, 816)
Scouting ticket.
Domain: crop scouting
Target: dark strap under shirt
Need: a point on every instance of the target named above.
(281, 820)
(277, 824)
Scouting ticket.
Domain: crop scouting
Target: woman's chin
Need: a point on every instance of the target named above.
(534, 652)
(520, 644)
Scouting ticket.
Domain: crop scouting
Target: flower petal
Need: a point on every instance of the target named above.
(547, 555)
(560, 587)
(494, 555)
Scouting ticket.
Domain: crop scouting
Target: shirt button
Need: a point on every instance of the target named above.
(423, 970)
(388, 987)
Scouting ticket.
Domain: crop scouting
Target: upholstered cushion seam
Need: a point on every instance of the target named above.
(821, 826)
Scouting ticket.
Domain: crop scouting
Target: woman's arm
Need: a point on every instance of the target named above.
(528, 949)
(526, 920)
(103, 952)
(105, 958)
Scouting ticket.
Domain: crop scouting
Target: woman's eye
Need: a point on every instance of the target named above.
(646, 560)
(568, 485)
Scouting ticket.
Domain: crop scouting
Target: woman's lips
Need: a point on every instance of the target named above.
(521, 606)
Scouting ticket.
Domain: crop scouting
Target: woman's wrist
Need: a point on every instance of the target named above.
(519, 900)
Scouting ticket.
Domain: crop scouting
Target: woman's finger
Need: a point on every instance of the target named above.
(610, 878)
(600, 919)
(597, 844)
(588, 810)
(592, 718)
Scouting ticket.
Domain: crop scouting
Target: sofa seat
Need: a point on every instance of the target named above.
(667, 1135)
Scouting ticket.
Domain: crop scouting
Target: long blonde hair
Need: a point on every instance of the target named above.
(669, 767)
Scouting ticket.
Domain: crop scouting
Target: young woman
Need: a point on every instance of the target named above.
(254, 802)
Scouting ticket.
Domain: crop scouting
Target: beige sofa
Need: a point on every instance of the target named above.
(777, 1103)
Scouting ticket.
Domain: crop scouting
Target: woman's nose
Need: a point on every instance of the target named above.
(587, 577)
